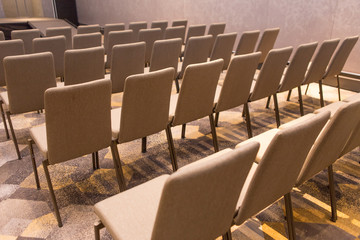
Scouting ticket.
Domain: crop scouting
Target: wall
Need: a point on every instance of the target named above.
(299, 21)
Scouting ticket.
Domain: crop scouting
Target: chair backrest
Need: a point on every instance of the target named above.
(27, 36)
(279, 167)
(2, 36)
(149, 36)
(57, 46)
(107, 29)
(165, 54)
(237, 83)
(192, 204)
(196, 51)
(9, 48)
(295, 72)
(197, 92)
(331, 141)
(27, 78)
(136, 26)
(78, 120)
(58, 31)
(160, 24)
(319, 63)
(145, 105)
(127, 59)
(223, 47)
(195, 30)
(270, 74)
(115, 38)
(180, 22)
(86, 40)
(175, 32)
(338, 61)
(83, 29)
(214, 30)
(83, 65)
(267, 42)
(353, 141)
(247, 42)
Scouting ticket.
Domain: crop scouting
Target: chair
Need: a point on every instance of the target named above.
(136, 26)
(247, 42)
(2, 36)
(160, 24)
(267, 42)
(83, 65)
(195, 31)
(175, 32)
(58, 31)
(215, 29)
(196, 98)
(77, 122)
(87, 40)
(57, 46)
(115, 38)
(27, 77)
(172, 207)
(149, 36)
(84, 29)
(180, 22)
(223, 47)
(109, 28)
(27, 36)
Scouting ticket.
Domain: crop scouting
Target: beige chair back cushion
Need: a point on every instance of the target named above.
(215, 29)
(160, 24)
(83, 65)
(267, 42)
(247, 42)
(85, 29)
(136, 26)
(353, 141)
(9, 48)
(145, 105)
(175, 32)
(58, 31)
(87, 40)
(78, 120)
(115, 38)
(179, 22)
(223, 47)
(149, 36)
(27, 78)
(2, 36)
(27, 36)
(195, 30)
(109, 28)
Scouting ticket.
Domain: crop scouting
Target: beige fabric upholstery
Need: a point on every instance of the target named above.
(127, 59)
(237, 83)
(109, 28)
(147, 114)
(87, 40)
(196, 30)
(215, 29)
(175, 32)
(196, 97)
(247, 42)
(38, 134)
(115, 38)
(27, 78)
(136, 26)
(270, 74)
(319, 63)
(5, 100)
(84, 29)
(58, 31)
(333, 107)
(279, 167)
(83, 65)
(179, 22)
(353, 141)
(78, 120)
(2, 36)
(149, 36)
(223, 47)
(57, 46)
(9, 48)
(160, 24)
(352, 98)
(27, 36)
(267, 42)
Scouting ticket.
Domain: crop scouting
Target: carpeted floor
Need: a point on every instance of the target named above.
(26, 213)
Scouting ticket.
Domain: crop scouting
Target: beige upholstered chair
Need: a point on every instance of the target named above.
(78, 122)
(215, 29)
(109, 28)
(27, 77)
(180, 22)
(58, 31)
(149, 36)
(87, 40)
(83, 65)
(267, 42)
(195, 30)
(172, 207)
(175, 32)
(2, 36)
(237, 84)
(135, 27)
(277, 165)
(57, 46)
(223, 47)
(247, 42)
(115, 38)
(84, 29)
(27, 36)
(160, 24)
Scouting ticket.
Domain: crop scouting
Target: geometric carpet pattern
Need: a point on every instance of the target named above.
(27, 213)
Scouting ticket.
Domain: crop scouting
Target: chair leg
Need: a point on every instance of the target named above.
(217, 115)
(289, 216)
(143, 145)
(268, 102)
(97, 160)
(13, 135)
(248, 121)
(52, 194)
(93, 160)
(171, 148)
(213, 132)
(307, 88)
(338, 86)
(183, 130)
(277, 114)
(227, 235)
(177, 84)
(97, 226)
(117, 165)
(332, 194)
(321, 94)
(30, 143)
(300, 101)
(4, 120)
(289, 95)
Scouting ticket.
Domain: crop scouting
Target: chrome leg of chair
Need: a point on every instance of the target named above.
(97, 160)
(177, 84)
(97, 226)
(289, 95)
(93, 160)
(332, 194)
(217, 115)
(277, 114)
(52, 194)
(268, 102)
(289, 216)
(4, 120)
(300, 101)
(171, 148)
(183, 130)
(227, 235)
(338, 86)
(213, 133)
(13, 135)
(248, 121)
(307, 88)
(117, 165)
(321, 94)
(143, 145)
(30, 143)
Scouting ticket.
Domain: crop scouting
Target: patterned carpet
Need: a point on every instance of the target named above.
(26, 213)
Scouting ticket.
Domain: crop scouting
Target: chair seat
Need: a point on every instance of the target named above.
(60, 84)
(5, 99)
(352, 98)
(131, 214)
(333, 107)
(246, 184)
(147, 70)
(115, 122)
(217, 94)
(173, 102)
(107, 76)
(38, 134)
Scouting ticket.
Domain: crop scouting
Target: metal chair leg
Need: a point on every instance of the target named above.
(177, 84)
(268, 102)
(97, 226)
(117, 165)
(332, 194)
(13, 135)
(93, 160)
(217, 115)
(171, 148)
(338, 86)
(307, 88)
(213, 133)
(183, 130)
(143, 145)
(289, 216)
(52, 194)
(4, 120)
(30, 144)
(321, 94)
(248, 121)
(300, 101)
(289, 95)
(277, 114)
(97, 160)
(227, 235)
